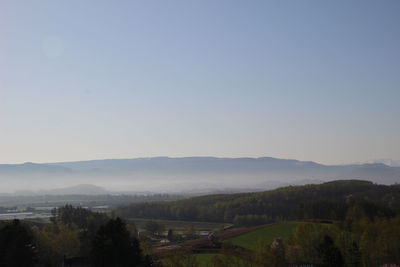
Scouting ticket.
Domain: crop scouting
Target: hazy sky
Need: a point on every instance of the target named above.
(310, 80)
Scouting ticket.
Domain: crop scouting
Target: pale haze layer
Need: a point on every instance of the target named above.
(310, 80)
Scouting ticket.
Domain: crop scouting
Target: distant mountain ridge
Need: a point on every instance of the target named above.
(165, 173)
(388, 162)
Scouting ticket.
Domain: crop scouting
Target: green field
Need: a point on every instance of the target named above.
(267, 234)
(204, 258)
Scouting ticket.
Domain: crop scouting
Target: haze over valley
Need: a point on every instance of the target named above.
(181, 175)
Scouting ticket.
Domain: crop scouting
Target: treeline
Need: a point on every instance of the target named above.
(87, 200)
(75, 237)
(333, 201)
(363, 242)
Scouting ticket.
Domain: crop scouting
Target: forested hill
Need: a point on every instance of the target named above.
(334, 200)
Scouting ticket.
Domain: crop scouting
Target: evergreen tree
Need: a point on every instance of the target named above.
(113, 246)
(170, 235)
(329, 254)
(16, 246)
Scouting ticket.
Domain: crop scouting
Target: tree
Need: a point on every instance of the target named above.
(349, 248)
(308, 237)
(56, 241)
(80, 217)
(329, 254)
(269, 256)
(16, 246)
(379, 242)
(170, 235)
(113, 246)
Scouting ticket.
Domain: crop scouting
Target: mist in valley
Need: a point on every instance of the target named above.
(180, 175)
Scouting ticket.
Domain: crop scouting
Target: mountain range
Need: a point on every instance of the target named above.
(165, 174)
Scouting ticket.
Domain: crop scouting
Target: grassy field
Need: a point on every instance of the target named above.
(267, 234)
(204, 259)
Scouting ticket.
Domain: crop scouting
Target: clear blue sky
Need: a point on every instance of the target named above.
(310, 80)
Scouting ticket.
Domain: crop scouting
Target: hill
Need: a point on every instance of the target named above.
(331, 200)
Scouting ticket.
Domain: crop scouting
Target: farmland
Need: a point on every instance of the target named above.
(268, 233)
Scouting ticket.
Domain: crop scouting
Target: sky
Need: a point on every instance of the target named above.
(308, 80)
